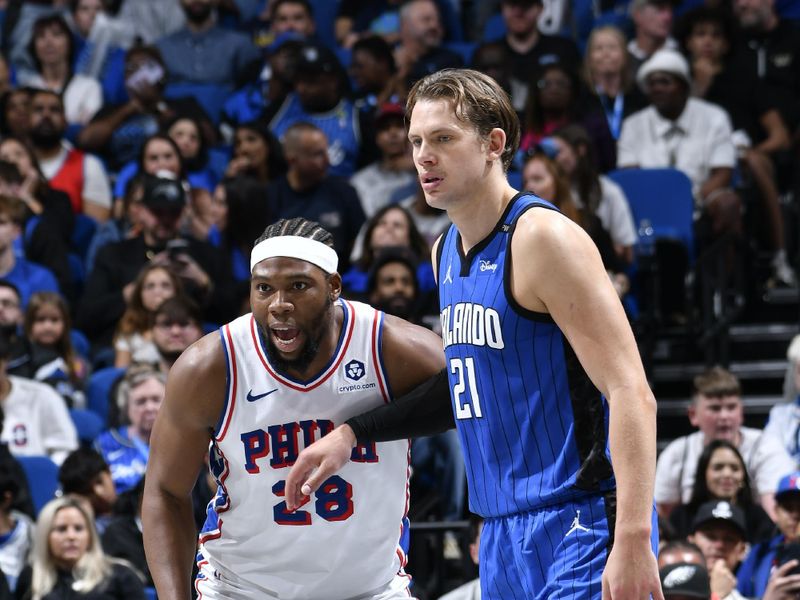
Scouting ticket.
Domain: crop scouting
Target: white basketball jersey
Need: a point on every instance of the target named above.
(345, 541)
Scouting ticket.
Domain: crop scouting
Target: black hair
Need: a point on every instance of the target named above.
(702, 15)
(179, 308)
(79, 469)
(416, 242)
(5, 130)
(681, 545)
(39, 27)
(5, 283)
(389, 255)
(474, 530)
(164, 138)
(299, 227)
(378, 48)
(700, 491)
(8, 483)
(304, 3)
(9, 172)
(197, 162)
(248, 211)
(276, 162)
(5, 345)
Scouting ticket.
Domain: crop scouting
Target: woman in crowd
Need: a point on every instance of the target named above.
(542, 176)
(557, 99)
(390, 227)
(256, 153)
(68, 560)
(133, 342)
(15, 113)
(188, 136)
(608, 75)
(159, 152)
(127, 448)
(595, 192)
(722, 475)
(52, 50)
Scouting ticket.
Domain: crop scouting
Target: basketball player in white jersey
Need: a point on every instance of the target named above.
(256, 393)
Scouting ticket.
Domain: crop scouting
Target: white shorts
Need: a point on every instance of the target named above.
(212, 584)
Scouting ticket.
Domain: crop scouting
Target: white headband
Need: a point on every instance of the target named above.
(293, 246)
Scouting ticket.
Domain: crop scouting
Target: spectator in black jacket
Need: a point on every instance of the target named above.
(206, 273)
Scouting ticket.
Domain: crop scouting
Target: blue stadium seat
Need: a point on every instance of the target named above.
(98, 392)
(42, 476)
(494, 29)
(150, 593)
(464, 49)
(663, 197)
(80, 344)
(88, 424)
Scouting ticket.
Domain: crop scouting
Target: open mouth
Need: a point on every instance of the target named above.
(286, 338)
(430, 182)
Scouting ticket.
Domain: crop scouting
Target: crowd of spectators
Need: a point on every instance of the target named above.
(145, 144)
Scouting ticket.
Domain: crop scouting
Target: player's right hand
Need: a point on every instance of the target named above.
(316, 463)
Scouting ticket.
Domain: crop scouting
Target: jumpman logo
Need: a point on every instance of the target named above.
(448, 277)
(576, 524)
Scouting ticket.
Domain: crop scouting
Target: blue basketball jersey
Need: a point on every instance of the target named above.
(340, 125)
(533, 427)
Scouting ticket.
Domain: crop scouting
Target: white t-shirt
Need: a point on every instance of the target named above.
(96, 187)
(614, 212)
(15, 548)
(142, 350)
(375, 186)
(697, 142)
(765, 458)
(82, 97)
(37, 421)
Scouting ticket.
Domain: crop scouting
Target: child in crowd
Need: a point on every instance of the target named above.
(134, 338)
(48, 329)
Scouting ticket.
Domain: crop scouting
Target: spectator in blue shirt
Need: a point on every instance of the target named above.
(205, 55)
(757, 577)
(29, 277)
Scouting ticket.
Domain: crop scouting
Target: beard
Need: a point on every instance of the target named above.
(198, 12)
(46, 135)
(313, 334)
(397, 305)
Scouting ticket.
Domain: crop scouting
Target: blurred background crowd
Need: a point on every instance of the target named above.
(145, 144)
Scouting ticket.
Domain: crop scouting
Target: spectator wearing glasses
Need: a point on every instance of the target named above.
(177, 326)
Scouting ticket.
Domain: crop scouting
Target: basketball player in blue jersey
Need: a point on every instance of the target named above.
(251, 396)
(543, 380)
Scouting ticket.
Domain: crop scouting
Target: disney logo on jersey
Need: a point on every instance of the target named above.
(355, 370)
(251, 397)
(487, 265)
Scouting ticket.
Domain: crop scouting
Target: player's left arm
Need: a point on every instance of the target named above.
(562, 274)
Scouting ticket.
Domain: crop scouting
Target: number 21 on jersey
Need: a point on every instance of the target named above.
(464, 371)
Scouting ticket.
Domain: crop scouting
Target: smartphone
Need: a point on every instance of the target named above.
(149, 73)
(787, 552)
(176, 247)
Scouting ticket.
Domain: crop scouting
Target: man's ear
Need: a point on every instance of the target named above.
(692, 412)
(335, 286)
(497, 144)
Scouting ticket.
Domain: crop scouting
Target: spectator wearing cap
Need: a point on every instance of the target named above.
(204, 53)
(688, 134)
(719, 530)
(758, 576)
(311, 190)
(420, 51)
(716, 410)
(684, 581)
(652, 21)
(320, 98)
(204, 271)
(377, 182)
(529, 50)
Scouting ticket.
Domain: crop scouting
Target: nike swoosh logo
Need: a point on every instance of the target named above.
(252, 398)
